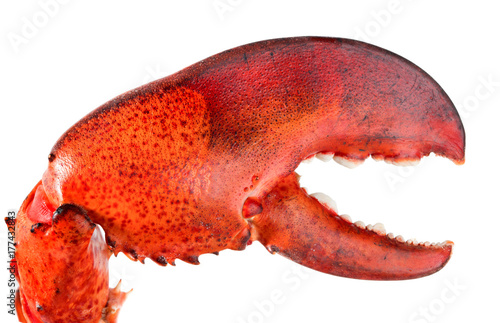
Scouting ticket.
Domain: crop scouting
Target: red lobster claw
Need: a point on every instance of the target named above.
(204, 160)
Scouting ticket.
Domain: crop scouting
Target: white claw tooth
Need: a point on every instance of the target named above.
(324, 157)
(360, 224)
(427, 244)
(448, 243)
(346, 218)
(379, 228)
(400, 238)
(326, 200)
(412, 242)
(308, 160)
(349, 163)
(433, 244)
(390, 235)
(369, 227)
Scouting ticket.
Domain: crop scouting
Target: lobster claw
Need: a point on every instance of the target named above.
(312, 234)
(203, 160)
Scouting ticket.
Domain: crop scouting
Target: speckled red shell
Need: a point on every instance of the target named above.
(166, 168)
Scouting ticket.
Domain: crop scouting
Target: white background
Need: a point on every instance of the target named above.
(87, 52)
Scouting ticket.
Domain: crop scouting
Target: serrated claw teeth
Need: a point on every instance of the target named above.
(400, 238)
(326, 200)
(379, 228)
(412, 241)
(360, 224)
(346, 218)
